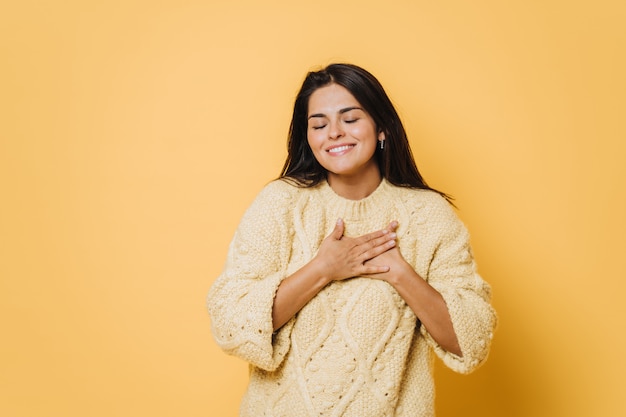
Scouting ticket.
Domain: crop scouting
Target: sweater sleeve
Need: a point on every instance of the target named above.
(241, 299)
(453, 273)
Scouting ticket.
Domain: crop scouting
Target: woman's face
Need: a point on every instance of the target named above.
(342, 135)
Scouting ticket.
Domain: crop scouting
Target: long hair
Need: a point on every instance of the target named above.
(395, 161)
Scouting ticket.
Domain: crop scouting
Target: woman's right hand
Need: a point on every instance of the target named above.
(340, 257)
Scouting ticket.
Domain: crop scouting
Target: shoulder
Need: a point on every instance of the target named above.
(276, 196)
(427, 200)
(426, 207)
(437, 206)
(281, 188)
(278, 191)
(269, 211)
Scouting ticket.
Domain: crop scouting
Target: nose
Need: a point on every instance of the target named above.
(335, 130)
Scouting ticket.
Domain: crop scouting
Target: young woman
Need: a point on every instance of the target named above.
(349, 273)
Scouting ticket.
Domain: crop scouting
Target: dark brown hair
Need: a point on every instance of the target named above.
(395, 161)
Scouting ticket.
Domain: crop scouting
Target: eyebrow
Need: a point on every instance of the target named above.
(342, 111)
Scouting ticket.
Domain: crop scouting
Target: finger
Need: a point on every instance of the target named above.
(376, 239)
(337, 232)
(374, 251)
(373, 269)
(370, 239)
(392, 226)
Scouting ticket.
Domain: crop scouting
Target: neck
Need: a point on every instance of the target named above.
(354, 187)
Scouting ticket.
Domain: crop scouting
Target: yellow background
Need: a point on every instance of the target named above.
(135, 133)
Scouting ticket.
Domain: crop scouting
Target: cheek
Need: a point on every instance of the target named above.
(314, 140)
(365, 135)
(364, 132)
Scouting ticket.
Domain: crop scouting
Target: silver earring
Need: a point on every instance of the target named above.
(382, 144)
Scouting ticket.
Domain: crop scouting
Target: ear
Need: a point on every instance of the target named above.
(381, 135)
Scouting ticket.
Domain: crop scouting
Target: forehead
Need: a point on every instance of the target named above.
(331, 98)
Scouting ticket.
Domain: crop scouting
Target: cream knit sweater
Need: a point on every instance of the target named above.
(356, 349)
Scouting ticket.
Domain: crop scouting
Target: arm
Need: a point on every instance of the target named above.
(453, 302)
(240, 300)
(453, 274)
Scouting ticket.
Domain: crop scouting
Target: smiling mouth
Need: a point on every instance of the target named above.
(340, 149)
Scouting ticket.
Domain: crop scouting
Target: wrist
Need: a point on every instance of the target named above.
(398, 277)
(318, 270)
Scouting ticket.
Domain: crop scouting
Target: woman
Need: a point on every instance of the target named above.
(348, 273)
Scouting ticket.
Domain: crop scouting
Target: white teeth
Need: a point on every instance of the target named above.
(339, 149)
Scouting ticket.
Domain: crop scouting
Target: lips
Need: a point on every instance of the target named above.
(339, 149)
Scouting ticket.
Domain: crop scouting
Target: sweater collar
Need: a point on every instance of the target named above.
(356, 209)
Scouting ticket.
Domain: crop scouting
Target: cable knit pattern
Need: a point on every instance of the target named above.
(356, 349)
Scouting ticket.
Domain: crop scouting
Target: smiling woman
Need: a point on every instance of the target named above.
(349, 273)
